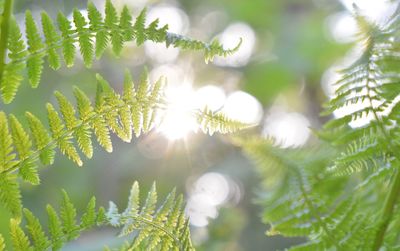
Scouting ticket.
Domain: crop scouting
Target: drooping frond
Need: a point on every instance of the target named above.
(93, 34)
(156, 228)
(301, 200)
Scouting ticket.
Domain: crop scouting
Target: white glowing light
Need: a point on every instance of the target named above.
(288, 129)
(215, 186)
(208, 192)
(243, 107)
(175, 18)
(210, 96)
(377, 11)
(160, 53)
(328, 80)
(178, 22)
(178, 120)
(230, 37)
(137, 4)
(200, 210)
(343, 27)
(174, 73)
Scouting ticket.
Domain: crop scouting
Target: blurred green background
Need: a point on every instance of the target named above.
(289, 48)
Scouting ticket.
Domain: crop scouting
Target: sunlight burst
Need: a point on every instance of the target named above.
(178, 120)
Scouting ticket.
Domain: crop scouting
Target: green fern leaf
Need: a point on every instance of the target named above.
(111, 21)
(55, 229)
(160, 218)
(101, 216)
(23, 144)
(85, 41)
(39, 239)
(155, 34)
(41, 139)
(20, 137)
(106, 97)
(172, 223)
(125, 22)
(89, 217)
(63, 141)
(11, 78)
(52, 37)
(67, 111)
(139, 27)
(35, 46)
(150, 203)
(10, 195)
(133, 201)
(211, 122)
(68, 217)
(96, 22)
(6, 144)
(68, 46)
(19, 240)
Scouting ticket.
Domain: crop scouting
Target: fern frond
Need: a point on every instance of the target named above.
(302, 200)
(116, 28)
(111, 112)
(162, 228)
(12, 72)
(19, 239)
(154, 228)
(51, 37)
(211, 122)
(84, 38)
(68, 47)
(210, 50)
(39, 239)
(55, 228)
(10, 195)
(34, 63)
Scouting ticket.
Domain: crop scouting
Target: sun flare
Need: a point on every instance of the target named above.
(178, 121)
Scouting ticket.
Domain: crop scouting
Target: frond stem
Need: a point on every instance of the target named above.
(392, 197)
(309, 203)
(92, 32)
(5, 26)
(390, 202)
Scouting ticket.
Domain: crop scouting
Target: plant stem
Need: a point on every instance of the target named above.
(5, 25)
(387, 211)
